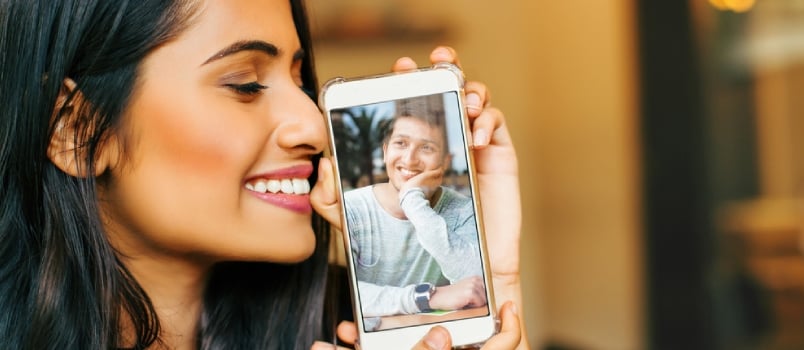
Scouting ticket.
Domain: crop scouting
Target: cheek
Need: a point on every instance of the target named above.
(391, 157)
(435, 161)
(182, 147)
(199, 135)
(184, 169)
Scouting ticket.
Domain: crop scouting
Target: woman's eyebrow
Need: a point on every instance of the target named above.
(244, 45)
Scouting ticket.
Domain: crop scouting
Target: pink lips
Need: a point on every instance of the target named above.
(299, 203)
(295, 202)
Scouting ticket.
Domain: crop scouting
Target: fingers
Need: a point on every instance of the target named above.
(437, 338)
(323, 196)
(477, 94)
(347, 332)
(489, 128)
(510, 334)
(439, 54)
(444, 54)
(319, 345)
(404, 64)
(477, 98)
(509, 337)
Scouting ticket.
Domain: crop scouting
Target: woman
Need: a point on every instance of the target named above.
(132, 136)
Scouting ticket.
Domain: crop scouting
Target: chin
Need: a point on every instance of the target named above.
(301, 255)
(296, 251)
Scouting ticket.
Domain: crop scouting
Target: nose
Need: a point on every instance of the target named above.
(410, 156)
(301, 128)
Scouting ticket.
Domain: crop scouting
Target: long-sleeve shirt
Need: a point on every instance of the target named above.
(438, 245)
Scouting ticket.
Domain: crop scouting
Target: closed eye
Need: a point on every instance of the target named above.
(251, 88)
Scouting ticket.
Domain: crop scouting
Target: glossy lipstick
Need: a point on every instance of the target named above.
(297, 202)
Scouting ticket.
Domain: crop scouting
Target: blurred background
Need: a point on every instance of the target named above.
(659, 146)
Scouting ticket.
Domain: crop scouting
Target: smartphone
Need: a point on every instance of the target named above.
(411, 219)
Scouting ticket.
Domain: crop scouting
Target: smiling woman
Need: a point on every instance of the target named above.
(157, 161)
(234, 116)
(160, 121)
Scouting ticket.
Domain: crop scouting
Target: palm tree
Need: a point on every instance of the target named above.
(358, 135)
(346, 149)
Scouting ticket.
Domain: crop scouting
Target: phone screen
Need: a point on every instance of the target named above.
(410, 214)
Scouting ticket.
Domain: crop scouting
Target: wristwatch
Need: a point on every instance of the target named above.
(422, 294)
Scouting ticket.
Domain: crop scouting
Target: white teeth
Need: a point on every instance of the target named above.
(406, 172)
(274, 186)
(301, 186)
(287, 186)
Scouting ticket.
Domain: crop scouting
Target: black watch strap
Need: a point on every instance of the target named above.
(422, 294)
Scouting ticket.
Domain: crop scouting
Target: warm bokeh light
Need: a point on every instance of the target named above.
(733, 5)
(740, 5)
(719, 4)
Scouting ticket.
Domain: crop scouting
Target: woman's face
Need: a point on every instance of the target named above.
(218, 140)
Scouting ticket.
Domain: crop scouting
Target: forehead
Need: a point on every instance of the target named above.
(218, 23)
(417, 128)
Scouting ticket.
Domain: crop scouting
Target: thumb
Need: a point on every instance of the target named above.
(510, 334)
(323, 196)
(437, 338)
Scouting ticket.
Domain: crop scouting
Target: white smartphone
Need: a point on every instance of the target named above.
(411, 219)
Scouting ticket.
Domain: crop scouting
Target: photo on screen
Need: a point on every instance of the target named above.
(410, 215)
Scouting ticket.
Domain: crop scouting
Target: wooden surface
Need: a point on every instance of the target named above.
(389, 322)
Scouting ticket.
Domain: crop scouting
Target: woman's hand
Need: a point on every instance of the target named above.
(498, 182)
(497, 176)
(497, 179)
(438, 338)
(509, 337)
(323, 197)
(497, 172)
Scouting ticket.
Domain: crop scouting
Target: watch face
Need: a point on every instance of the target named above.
(423, 288)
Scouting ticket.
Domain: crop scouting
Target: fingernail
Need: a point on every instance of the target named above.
(514, 309)
(406, 61)
(322, 345)
(442, 51)
(473, 101)
(480, 137)
(435, 340)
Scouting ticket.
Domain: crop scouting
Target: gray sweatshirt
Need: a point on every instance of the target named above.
(437, 245)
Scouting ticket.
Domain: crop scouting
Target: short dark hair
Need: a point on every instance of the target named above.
(429, 109)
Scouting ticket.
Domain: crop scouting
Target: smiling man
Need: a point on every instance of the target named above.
(415, 241)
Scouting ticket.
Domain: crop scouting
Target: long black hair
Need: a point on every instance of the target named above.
(61, 284)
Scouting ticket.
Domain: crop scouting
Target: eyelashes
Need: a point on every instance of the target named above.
(249, 89)
(254, 88)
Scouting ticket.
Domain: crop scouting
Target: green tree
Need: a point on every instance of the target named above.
(359, 133)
